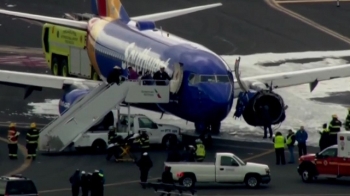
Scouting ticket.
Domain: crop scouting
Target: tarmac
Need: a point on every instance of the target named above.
(238, 27)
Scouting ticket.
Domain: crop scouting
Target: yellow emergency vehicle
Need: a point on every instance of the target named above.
(65, 52)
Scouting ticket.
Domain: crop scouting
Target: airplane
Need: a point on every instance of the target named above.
(202, 84)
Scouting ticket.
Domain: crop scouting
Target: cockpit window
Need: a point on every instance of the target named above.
(208, 78)
(194, 79)
(223, 79)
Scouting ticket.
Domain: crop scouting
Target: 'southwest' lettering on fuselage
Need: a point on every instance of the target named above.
(143, 61)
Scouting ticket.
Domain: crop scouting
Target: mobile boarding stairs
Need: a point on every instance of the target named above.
(81, 116)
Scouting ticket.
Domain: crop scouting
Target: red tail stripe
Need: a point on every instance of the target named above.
(102, 7)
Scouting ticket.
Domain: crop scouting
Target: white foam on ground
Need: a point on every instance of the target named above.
(301, 111)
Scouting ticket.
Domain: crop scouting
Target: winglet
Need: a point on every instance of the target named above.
(171, 14)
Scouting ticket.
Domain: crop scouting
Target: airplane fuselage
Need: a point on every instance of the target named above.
(206, 92)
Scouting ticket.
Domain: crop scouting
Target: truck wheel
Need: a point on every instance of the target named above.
(306, 175)
(64, 67)
(95, 76)
(187, 181)
(99, 146)
(252, 181)
(55, 67)
(165, 141)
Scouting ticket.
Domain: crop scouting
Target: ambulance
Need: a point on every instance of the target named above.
(332, 163)
(65, 52)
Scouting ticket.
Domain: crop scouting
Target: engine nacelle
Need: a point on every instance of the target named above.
(145, 25)
(260, 107)
(74, 96)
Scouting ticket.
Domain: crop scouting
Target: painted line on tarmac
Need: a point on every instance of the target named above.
(136, 181)
(275, 5)
(344, 194)
(308, 1)
(26, 163)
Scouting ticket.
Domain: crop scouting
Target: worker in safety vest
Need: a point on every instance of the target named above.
(111, 135)
(32, 141)
(347, 121)
(12, 139)
(279, 144)
(334, 127)
(200, 150)
(324, 139)
(144, 141)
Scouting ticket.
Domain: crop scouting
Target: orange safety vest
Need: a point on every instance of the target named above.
(12, 136)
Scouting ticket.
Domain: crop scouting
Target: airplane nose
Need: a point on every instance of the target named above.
(219, 99)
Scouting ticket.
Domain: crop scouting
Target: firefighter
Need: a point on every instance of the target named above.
(75, 183)
(111, 135)
(32, 141)
(200, 150)
(12, 137)
(279, 144)
(324, 139)
(144, 141)
(334, 127)
(347, 121)
(84, 184)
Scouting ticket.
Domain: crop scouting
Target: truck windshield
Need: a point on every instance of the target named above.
(239, 160)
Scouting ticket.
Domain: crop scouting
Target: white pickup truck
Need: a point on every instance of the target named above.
(97, 136)
(227, 168)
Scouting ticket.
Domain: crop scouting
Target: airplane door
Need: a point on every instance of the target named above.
(176, 81)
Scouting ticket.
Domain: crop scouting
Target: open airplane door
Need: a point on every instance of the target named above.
(176, 81)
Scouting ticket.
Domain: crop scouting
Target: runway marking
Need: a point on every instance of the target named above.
(275, 5)
(26, 162)
(308, 1)
(135, 181)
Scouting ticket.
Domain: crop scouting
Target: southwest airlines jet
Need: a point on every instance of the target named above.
(202, 86)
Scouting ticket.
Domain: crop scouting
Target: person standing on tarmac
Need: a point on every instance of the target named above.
(12, 140)
(334, 128)
(167, 178)
(347, 121)
(32, 141)
(279, 143)
(290, 145)
(266, 121)
(301, 136)
(111, 135)
(200, 150)
(84, 184)
(113, 148)
(145, 164)
(75, 183)
(324, 139)
(144, 141)
(96, 184)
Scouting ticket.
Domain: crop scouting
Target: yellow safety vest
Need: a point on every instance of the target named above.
(289, 139)
(200, 150)
(279, 141)
(325, 131)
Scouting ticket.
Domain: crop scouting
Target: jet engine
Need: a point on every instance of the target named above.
(145, 25)
(260, 107)
(73, 96)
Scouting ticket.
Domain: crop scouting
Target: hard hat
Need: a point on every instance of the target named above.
(334, 116)
(12, 125)
(33, 125)
(145, 154)
(198, 141)
(82, 172)
(110, 127)
(96, 171)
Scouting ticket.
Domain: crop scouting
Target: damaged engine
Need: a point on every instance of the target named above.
(261, 107)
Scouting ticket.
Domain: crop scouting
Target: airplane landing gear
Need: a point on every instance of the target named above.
(213, 127)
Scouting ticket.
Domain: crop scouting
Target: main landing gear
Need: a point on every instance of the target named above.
(212, 127)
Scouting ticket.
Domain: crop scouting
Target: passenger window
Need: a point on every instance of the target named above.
(223, 79)
(228, 161)
(333, 152)
(193, 79)
(147, 123)
(21, 188)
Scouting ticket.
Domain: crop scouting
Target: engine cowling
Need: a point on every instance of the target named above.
(260, 107)
(145, 25)
(74, 96)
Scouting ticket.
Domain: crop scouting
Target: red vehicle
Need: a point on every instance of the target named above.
(333, 162)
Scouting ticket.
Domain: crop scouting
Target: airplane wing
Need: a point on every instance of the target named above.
(38, 81)
(171, 14)
(46, 19)
(293, 78)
